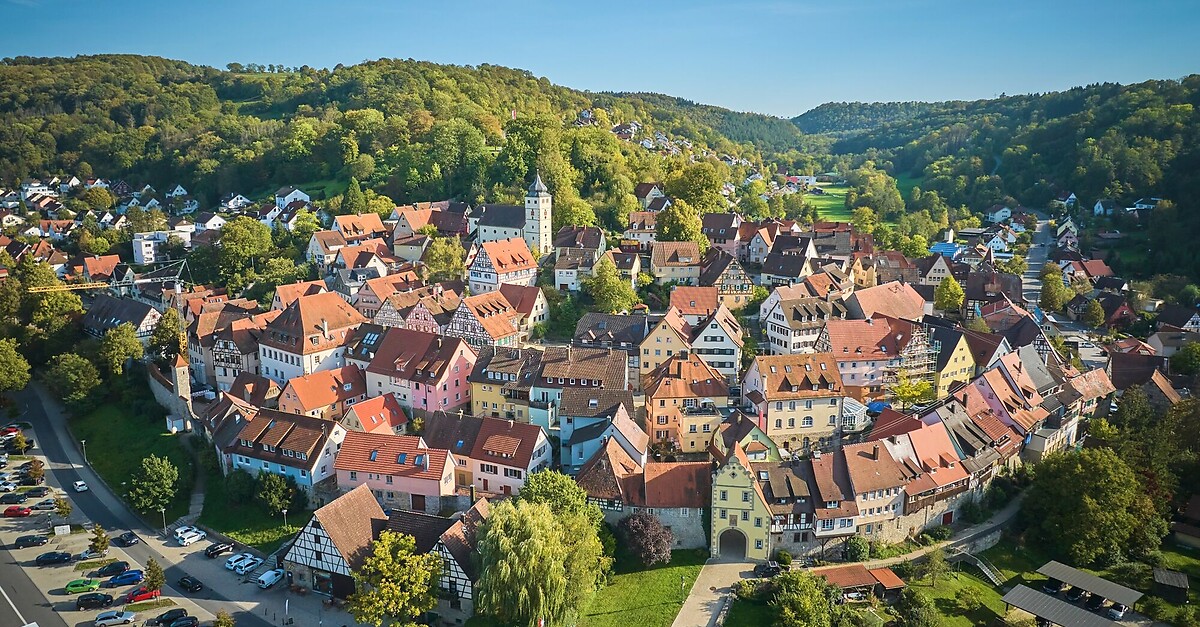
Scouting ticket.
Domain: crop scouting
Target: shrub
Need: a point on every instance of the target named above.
(783, 557)
(857, 549)
(1153, 558)
(744, 590)
(941, 533)
(1157, 609)
(973, 512)
(1132, 574)
(905, 570)
(926, 540)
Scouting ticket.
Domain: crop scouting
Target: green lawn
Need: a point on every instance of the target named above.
(247, 523)
(905, 183)
(644, 597)
(749, 614)
(832, 204)
(117, 441)
(943, 595)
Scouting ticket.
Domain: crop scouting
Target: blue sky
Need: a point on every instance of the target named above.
(775, 57)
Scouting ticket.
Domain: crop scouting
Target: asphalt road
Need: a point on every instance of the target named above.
(29, 601)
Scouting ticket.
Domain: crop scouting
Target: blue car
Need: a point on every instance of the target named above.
(126, 578)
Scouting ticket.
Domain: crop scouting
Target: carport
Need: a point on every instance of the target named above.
(1091, 583)
(1053, 609)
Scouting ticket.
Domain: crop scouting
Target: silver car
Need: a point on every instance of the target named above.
(114, 617)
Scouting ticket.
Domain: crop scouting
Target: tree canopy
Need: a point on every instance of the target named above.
(395, 585)
(608, 289)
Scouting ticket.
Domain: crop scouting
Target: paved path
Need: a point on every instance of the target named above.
(710, 591)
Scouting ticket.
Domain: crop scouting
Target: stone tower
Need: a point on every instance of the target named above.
(537, 217)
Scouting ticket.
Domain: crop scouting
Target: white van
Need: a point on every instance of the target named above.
(270, 578)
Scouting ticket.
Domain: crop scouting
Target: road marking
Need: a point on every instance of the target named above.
(14, 607)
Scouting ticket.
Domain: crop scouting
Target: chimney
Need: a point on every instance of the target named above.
(325, 328)
(472, 493)
(875, 452)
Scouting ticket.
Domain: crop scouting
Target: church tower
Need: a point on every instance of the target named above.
(537, 217)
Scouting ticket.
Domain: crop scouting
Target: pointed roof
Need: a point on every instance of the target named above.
(352, 522)
(538, 187)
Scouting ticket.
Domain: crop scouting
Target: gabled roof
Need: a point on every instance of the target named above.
(502, 216)
(352, 521)
(878, 338)
(360, 226)
(107, 313)
(494, 440)
(404, 456)
(694, 301)
(461, 538)
(895, 299)
(725, 320)
(523, 298)
(493, 312)
(300, 434)
(1129, 369)
(789, 377)
(592, 364)
(324, 388)
(983, 345)
(410, 355)
(642, 221)
(381, 414)
(685, 376)
(325, 317)
(597, 328)
(591, 402)
(1176, 315)
(288, 294)
(678, 254)
(642, 190)
(871, 467)
(570, 236)
(509, 255)
(510, 368)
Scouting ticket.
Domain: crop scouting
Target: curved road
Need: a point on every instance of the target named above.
(98, 505)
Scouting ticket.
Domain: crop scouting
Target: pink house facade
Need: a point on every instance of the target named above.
(400, 470)
(425, 371)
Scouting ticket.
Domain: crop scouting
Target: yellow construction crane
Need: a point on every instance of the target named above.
(66, 287)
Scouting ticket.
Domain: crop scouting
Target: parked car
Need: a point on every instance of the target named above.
(53, 557)
(89, 554)
(13, 498)
(214, 550)
(45, 505)
(167, 617)
(248, 565)
(233, 562)
(114, 617)
(38, 492)
(1094, 602)
(270, 578)
(768, 570)
(34, 481)
(190, 584)
(17, 511)
(1117, 611)
(93, 601)
(184, 530)
(141, 594)
(8, 486)
(126, 578)
(80, 486)
(1075, 593)
(28, 541)
(113, 569)
(186, 621)
(1052, 586)
(192, 538)
(128, 538)
(82, 585)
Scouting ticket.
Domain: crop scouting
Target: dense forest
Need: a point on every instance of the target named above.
(412, 130)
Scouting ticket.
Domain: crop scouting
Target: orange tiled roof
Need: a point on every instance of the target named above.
(509, 255)
(325, 387)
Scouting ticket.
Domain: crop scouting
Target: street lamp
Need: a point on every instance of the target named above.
(285, 517)
(84, 443)
(163, 511)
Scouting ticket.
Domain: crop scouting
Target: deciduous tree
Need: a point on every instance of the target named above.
(167, 339)
(948, 295)
(273, 492)
(1054, 294)
(647, 538)
(916, 609)
(119, 345)
(73, 379)
(935, 565)
(803, 600)
(608, 289)
(1094, 316)
(680, 223)
(1185, 361)
(244, 240)
(14, 369)
(537, 565)
(99, 541)
(62, 507)
(155, 577)
(561, 493)
(154, 486)
(857, 549)
(395, 585)
(224, 619)
(445, 259)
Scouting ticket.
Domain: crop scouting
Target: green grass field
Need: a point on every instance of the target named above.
(639, 597)
(117, 441)
(749, 614)
(832, 204)
(905, 183)
(248, 523)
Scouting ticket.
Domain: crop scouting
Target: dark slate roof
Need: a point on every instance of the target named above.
(1091, 583)
(1129, 369)
(714, 262)
(1024, 332)
(594, 329)
(1171, 578)
(538, 186)
(1175, 315)
(949, 340)
(1111, 283)
(718, 225)
(453, 432)
(578, 237)
(979, 287)
(578, 402)
(1053, 609)
(107, 312)
(785, 264)
(426, 529)
(502, 216)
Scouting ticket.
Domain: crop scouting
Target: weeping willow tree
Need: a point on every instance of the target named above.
(537, 565)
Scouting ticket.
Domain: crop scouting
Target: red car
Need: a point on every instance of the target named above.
(8, 430)
(141, 594)
(16, 511)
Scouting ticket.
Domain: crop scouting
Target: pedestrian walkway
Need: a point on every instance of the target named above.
(710, 592)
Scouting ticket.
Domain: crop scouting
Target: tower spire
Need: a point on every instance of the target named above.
(538, 186)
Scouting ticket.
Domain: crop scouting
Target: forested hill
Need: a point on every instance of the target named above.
(849, 117)
(413, 130)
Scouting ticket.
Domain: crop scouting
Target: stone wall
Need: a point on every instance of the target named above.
(688, 530)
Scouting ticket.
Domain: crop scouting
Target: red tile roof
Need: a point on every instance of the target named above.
(324, 388)
(411, 355)
(312, 324)
(395, 455)
(895, 299)
(381, 414)
(684, 376)
(509, 255)
(694, 301)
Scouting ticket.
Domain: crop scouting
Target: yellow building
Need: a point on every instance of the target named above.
(741, 517)
(685, 399)
(501, 380)
(669, 336)
(797, 399)
(954, 361)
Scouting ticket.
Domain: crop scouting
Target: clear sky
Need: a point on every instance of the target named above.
(775, 57)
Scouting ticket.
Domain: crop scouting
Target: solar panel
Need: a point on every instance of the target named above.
(1053, 609)
(1091, 583)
